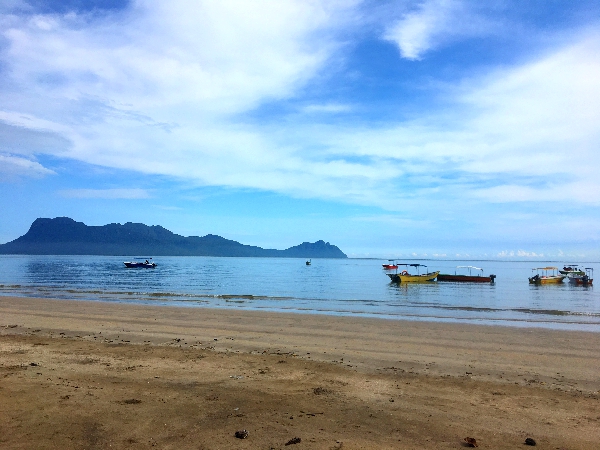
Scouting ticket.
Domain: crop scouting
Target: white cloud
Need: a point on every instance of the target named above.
(526, 133)
(329, 108)
(159, 90)
(519, 254)
(206, 57)
(433, 24)
(573, 191)
(134, 193)
(156, 88)
(13, 167)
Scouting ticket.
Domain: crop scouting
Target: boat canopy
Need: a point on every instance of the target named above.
(411, 265)
(470, 268)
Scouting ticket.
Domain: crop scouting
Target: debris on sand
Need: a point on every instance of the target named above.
(321, 391)
(295, 440)
(529, 441)
(241, 434)
(471, 442)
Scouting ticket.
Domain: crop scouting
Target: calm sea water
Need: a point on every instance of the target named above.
(352, 287)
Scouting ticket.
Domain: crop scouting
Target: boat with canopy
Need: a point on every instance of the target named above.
(582, 280)
(475, 275)
(546, 275)
(406, 277)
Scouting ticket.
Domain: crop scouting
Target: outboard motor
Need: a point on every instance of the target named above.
(492, 278)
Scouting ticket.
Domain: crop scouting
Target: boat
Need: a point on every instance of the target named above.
(390, 266)
(582, 280)
(571, 269)
(140, 264)
(406, 277)
(308, 262)
(548, 276)
(470, 278)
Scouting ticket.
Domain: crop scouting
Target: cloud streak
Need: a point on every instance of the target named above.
(435, 23)
(13, 167)
(132, 194)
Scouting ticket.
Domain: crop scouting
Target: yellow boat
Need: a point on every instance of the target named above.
(405, 277)
(546, 277)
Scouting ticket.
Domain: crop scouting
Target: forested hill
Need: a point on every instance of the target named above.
(65, 236)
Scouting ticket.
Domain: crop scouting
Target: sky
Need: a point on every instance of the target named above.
(443, 129)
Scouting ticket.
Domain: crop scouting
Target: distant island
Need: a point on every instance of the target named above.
(65, 236)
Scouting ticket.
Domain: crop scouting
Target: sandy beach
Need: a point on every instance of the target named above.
(94, 375)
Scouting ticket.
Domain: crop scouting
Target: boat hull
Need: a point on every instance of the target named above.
(389, 266)
(554, 279)
(408, 278)
(581, 281)
(465, 278)
(139, 265)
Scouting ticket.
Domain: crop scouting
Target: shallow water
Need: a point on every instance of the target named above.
(353, 287)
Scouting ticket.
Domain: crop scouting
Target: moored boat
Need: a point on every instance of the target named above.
(470, 278)
(140, 264)
(390, 266)
(571, 269)
(547, 276)
(406, 277)
(582, 280)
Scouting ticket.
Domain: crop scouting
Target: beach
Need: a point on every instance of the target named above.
(98, 375)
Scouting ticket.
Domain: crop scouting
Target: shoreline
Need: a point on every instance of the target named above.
(499, 322)
(359, 342)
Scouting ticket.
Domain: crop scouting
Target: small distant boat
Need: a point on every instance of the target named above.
(140, 264)
(548, 276)
(470, 278)
(582, 280)
(390, 266)
(308, 263)
(571, 269)
(405, 277)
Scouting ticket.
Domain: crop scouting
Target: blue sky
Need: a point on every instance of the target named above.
(413, 129)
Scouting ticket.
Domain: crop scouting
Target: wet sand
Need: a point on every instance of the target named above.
(100, 375)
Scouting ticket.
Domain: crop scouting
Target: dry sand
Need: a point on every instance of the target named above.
(93, 375)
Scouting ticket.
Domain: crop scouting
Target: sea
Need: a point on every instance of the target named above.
(340, 287)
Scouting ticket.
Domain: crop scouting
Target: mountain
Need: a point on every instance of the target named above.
(64, 236)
